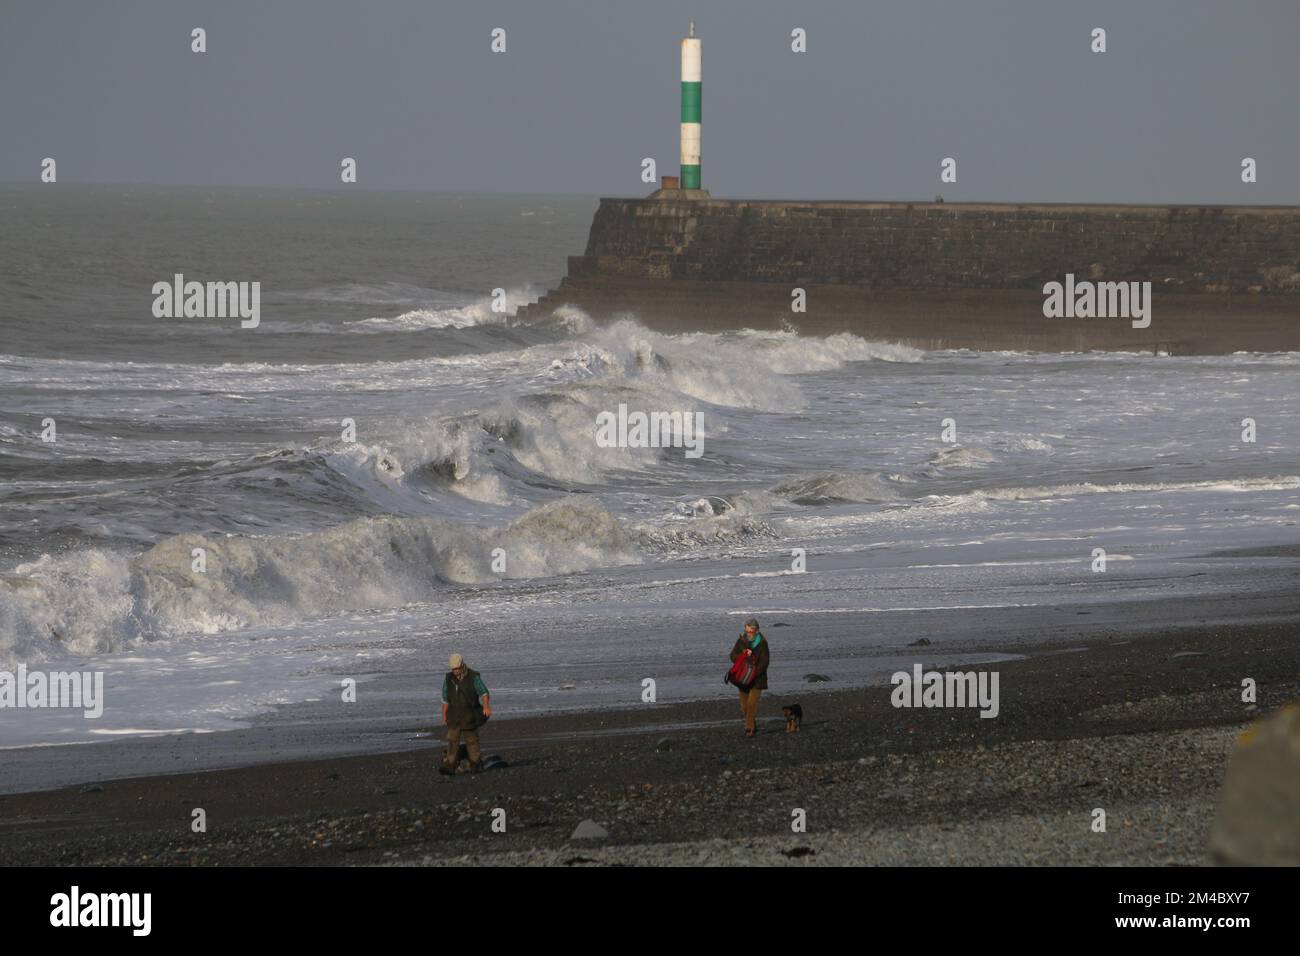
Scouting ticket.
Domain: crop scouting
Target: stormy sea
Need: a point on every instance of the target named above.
(390, 468)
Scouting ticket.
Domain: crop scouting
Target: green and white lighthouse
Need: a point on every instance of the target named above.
(691, 97)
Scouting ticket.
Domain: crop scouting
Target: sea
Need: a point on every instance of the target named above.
(390, 468)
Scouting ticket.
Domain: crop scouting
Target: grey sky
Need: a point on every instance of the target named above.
(589, 87)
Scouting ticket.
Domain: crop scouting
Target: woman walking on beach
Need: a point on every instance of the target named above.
(752, 646)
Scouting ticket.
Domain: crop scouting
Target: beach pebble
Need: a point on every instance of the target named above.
(589, 830)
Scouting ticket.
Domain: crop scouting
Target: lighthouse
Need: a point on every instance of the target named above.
(691, 96)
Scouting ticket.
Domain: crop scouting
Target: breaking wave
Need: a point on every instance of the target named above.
(550, 433)
(96, 601)
(838, 486)
(479, 313)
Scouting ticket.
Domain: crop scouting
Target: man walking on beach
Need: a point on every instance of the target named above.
(752, 643)
(465, 708)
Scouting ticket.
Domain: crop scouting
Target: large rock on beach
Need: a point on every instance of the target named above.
(1258, 820)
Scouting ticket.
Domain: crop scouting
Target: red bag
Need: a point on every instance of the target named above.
(743, 671)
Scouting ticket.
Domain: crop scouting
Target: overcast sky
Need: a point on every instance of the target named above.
(587, 88)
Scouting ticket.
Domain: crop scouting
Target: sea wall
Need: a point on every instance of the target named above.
(944, 274)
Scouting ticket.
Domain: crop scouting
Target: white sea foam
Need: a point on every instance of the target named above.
(1069, 490)
(478, 313)
(92, 601)
(508, 429)
(677, 538)
(553, 434)
(837, 486)
(748, 370)
(960, 456)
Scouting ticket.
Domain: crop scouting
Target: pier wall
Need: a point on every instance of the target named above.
(956, 275)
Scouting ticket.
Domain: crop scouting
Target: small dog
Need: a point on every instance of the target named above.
(793, 714)
(462, 764)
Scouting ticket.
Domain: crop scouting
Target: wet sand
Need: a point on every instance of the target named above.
(1138, 726)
